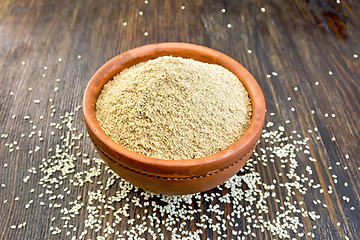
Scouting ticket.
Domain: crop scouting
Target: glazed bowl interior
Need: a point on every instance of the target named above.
(162, 167)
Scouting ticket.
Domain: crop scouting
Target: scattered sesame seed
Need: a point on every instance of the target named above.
(274, 74)
(316, 83)
(223, 10)
(330, 73)
(268, 76)
(175, 213)
(262, 9)
(183, 7)
(355, 56)
(125, 23)
(229, 25)
(22, 63)
(26, 179)
(60, 59)
(146, 33)
(79, 56)
(45, 67)
(333, 139)
(141, 13)
(295, 88)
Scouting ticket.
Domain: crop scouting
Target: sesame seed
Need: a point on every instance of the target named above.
(262, 9)
(295, 89)
(125, 23)
(146, 33)
(141, 13)
(355, 56)
(182, 7)
(330, 73)
(229, 25)
(108, 202)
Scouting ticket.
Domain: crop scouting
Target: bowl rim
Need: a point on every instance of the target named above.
(164, 167)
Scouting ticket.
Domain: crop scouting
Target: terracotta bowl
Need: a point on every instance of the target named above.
(173, 176)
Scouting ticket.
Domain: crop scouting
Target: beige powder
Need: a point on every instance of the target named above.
(174, 108)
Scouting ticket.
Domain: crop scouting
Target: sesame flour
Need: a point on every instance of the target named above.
(174, 108)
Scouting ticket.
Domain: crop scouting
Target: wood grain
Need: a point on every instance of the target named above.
(309, 44)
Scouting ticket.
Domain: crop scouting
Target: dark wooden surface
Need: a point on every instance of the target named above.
(310, 44)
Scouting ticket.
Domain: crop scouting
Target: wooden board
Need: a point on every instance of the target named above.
(304, 55)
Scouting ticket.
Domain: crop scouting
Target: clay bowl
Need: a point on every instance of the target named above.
(173, 176)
